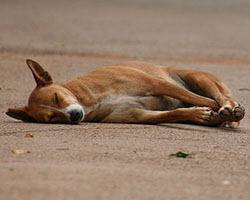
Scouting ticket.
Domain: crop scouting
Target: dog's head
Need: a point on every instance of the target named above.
(48, 102)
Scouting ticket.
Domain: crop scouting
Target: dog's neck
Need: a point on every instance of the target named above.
(82, 92)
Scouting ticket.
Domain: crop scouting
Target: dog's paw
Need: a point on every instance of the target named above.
(238, 113)
(232, 115)
(225, 112)
(204, 115)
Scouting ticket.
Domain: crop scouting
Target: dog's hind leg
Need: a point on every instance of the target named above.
(209, 85)
(160, 87)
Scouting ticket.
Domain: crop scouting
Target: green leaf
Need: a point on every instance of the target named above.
(180, 154)
(58, 45)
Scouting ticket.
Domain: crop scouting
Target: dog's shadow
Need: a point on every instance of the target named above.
(173, 126)
(200, 128)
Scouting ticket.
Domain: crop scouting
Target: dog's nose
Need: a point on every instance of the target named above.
(76, 115)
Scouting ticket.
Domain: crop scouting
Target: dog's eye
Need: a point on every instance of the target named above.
(56, 98)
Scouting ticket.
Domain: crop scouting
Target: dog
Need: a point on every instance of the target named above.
(131, 92)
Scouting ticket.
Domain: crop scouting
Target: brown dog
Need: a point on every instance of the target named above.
(131, 92)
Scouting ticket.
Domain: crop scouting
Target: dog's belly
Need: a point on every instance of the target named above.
(120, 103)
(144, 102)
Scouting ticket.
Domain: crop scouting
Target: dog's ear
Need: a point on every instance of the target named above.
(20, 113)
(41, 76)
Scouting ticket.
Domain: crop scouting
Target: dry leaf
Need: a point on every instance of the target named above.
(19, 151)
(29, 135)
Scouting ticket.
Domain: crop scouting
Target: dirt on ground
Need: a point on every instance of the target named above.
(122, 161)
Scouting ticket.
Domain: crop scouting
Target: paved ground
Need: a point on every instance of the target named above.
(117, 161)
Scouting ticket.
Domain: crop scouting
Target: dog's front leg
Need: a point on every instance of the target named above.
(197, 115)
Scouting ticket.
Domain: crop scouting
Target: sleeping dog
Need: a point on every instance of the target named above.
(131, 92)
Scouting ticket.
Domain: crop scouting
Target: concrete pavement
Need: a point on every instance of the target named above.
(119, 161)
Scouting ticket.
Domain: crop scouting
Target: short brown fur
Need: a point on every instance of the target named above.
(133, 92)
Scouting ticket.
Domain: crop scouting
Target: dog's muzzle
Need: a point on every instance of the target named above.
(74, 112)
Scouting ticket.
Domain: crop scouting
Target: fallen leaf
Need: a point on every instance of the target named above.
(29, 135)
(180, 154)
(226, 182)
(58, 45)
(19, 151)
